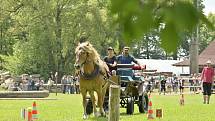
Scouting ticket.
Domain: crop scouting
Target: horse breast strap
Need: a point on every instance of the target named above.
(92, 75)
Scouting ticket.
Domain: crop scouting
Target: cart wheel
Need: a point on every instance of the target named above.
(105, 106)
(143, 103)
(130, 106)
(89, 108)
(123, 102)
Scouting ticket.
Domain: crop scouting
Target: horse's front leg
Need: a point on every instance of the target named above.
(100, 102)
(92, 96)
(84, 102)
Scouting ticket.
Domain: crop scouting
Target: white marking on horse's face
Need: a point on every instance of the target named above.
(81, 57)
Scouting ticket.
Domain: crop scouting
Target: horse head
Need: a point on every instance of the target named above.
(85, 53)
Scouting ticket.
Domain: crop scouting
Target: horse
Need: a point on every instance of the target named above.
(92, 72)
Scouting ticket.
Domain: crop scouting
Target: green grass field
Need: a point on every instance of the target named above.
(69, 108)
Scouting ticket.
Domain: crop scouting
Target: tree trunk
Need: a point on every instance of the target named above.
(194, 66)
(175, 56)
(1, 47)
(147, 48)
(58, 33)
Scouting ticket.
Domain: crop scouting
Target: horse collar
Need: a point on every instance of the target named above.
(92, 75)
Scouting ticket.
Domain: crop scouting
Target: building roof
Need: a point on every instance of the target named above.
(207, 54)
(163, 66)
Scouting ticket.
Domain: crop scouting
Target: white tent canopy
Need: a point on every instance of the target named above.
(164, 66)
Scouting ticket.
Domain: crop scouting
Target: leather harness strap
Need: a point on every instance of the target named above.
(92, 75)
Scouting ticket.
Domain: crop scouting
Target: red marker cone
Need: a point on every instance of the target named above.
(150, 111)
(29, 117)
(34, 111)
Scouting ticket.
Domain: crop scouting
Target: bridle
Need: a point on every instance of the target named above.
(80, 65)
(94, 73)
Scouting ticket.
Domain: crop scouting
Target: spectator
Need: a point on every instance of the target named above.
(191, 81)
(68, 84)
(29, 84)
(175, 85)
(181, 85)
(152, 80)
(207, 78)
(64, 82)
(33, 84)
(24, 85)
(50, 84)
(163, 85)
(195, 82)
(37, 84)
(72, 85)
(77, 85)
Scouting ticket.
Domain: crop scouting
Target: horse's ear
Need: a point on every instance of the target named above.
(87, 43)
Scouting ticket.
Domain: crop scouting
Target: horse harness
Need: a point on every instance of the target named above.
(95, 72)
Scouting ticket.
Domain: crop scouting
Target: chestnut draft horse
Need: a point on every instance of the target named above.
(92, 72)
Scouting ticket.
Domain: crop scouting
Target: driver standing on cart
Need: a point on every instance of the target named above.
(126, 58)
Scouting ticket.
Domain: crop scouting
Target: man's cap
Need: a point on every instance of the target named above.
(126, 48)
(110, 48)
(208, 62)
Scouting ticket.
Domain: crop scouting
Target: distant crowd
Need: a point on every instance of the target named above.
(69, 84)
(175, 84)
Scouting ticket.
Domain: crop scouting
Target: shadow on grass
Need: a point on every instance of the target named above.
(98, 118)
(125, 114)
(106, 118)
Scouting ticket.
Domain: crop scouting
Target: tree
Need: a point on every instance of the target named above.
(206, 35)
(140, 17)
(46, 33)
(149, 47)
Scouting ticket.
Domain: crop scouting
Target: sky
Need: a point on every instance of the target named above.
(209, 6)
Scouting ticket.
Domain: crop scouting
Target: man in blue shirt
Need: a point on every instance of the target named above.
(126, 58)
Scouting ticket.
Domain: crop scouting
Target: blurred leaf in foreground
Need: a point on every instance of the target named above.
(139, 17)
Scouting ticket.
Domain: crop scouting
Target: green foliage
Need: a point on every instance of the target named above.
(138, 17)
(206, 34)
(46, 33)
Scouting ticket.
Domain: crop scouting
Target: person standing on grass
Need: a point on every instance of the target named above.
(181, 85)
(191, 81)
(163, 86)
(196, 82)
(64, 84)
(207, 78)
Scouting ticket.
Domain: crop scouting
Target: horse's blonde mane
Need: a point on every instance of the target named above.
(93, 54)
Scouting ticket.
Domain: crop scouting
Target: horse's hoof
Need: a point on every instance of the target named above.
(85, 116)
(103, 114)
(97, 114)
(106, 113)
